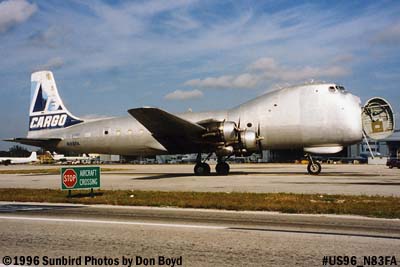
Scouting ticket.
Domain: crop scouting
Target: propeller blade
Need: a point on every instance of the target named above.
(259, 138)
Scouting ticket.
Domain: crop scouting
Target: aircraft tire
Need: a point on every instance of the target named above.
(222, 168)
(314, 169)
(202, 169)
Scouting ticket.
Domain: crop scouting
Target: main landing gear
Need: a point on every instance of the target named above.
(202, 168)
(314, 167)
(222, 167)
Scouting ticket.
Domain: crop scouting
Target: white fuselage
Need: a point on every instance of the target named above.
(18, 160)
(307, 116)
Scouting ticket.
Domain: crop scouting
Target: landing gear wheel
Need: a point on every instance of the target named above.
(314, 168)
(222, 168)
(202, 169)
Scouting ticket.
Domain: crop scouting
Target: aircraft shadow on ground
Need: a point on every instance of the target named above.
(156, 176)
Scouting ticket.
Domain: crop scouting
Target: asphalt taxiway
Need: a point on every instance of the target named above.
(200, 237)
(334, 179)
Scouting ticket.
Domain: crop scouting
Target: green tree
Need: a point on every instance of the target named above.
(18, 151)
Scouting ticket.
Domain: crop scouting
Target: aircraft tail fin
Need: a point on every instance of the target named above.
(47, 111)
(33, 156)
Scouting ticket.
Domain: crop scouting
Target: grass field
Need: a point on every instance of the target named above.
(372, 206)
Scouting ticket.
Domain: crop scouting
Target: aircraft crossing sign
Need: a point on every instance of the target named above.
(80, 177)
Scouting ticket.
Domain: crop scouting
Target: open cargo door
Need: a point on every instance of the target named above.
(377, 118)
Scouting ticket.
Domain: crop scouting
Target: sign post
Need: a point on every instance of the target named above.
(80, 178)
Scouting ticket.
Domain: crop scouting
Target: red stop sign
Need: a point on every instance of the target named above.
(69, 178)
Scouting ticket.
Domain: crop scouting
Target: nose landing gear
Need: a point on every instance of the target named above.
(314, 167)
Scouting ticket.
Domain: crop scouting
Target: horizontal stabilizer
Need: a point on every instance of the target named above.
(174, 133)
(39, 142)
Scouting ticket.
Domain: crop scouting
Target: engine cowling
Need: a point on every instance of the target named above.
(230, 139)
(228, 131)
(248, 140)
(225, 132)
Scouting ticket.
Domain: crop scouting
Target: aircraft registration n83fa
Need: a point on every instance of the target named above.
(319, 118)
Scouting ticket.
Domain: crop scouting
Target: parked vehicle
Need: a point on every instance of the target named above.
(393, 163)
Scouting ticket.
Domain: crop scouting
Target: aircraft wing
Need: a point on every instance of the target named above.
(177, 135)
(40, 142)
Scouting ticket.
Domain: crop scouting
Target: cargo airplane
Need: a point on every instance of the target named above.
(320, 118)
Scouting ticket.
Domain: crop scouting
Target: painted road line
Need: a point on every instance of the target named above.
(44, 219)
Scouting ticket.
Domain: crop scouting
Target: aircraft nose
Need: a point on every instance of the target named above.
(353, 118)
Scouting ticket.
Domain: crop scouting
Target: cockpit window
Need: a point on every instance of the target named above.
(332, 89)
(340, 88)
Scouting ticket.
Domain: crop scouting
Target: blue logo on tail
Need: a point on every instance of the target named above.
(52, 121)
(48, 113)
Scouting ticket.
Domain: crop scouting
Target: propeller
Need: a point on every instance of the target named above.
(239, 135)
(259, 138)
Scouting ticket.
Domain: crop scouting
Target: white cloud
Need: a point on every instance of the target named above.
(265, 63)
(13, 12)
(130, 18)
(222, 81)
(266, 69)
(272, 70)
(184, 95)
(305, 73)
(51, 64)
(245, 80)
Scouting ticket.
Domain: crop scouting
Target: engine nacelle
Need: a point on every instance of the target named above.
(248, 139)
(229, 139)
(228, 131)
(225, 132)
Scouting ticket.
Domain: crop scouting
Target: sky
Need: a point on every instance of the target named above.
(110, 56)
